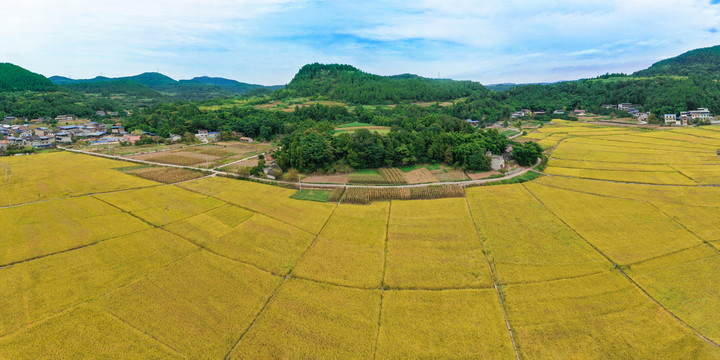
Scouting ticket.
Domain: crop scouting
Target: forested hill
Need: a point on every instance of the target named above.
(15, 78)
(699, 62)
(347, 83)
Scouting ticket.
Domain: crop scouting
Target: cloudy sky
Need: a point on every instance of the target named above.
(267, 41)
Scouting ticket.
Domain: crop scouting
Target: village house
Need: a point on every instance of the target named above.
(68, 117)
(580, 112)
(131, 138)
(63, 137)
(4, 144)
(246, 139)
(671, 119)
(100, 113)
(117, 130)
(559, 112)
(202, 135)
(175, 137)
(700, 114)
(43, 131)
(41, 141)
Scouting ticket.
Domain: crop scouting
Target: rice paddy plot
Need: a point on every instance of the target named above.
(40, 229)
(165, 175)
(199, 305)
(659, 141)
(37, 289)
(688, 195)
(461, 324)
(598, 316)
(640, 177)
(26, 179)
(269, 200)
(83, 333)
(693, 137)
(602, 165)
(526, 242)
(206, 227)
(264, 242)
(584, 152)
(310, 320)
(433, 244)
(351, 248)
(627, 231)
(703, 221)
(686, 283)
(161, 205)
(702, 174)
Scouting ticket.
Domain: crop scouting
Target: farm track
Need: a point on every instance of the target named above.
(630, 279)
(510, 175)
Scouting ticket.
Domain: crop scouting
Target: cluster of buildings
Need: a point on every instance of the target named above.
(687, 117)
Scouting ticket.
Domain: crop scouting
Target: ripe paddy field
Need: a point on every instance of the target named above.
(615, 253)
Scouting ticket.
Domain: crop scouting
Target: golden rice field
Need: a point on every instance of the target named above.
(614, 255)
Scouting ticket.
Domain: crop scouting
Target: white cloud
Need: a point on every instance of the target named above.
(266, 41)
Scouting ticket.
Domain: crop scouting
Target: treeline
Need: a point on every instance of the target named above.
(32, 105)
(348, 84)
(435, 138)
(659, 95)
(700, 62)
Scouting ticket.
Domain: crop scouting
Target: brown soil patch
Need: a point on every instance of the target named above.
(166, 175)
(420, 176)
(181, 158)
(483, 175)
(326, 179)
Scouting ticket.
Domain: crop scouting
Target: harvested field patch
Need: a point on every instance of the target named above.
(367, 177)
(419, 176)
(392, 175)
(326, 179)
(177, 158)
(337, 195)
(166, 175)
(450, 175)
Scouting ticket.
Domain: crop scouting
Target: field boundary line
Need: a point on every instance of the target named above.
(706, 242)
(69, 250)
(74, 306)
(682, 173)
(633, 183)
(82, 196)
(494, 277)
(382, 281)
(556, 279)
(630, 279)
(143, 332)
(277, 289)
(615, 197)
(255, 211)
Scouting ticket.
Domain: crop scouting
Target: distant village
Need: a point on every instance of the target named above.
(685, 118)
(32, 134)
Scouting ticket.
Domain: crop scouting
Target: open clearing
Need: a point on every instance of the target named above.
(597, 261)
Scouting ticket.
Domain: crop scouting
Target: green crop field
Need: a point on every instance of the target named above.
(613, 254)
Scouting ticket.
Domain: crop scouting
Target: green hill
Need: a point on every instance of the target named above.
(15, 78)
(347, 83)
(699, 62)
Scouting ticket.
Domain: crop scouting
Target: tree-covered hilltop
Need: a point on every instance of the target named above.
(347, 83)
(33, 105)
(15, 78)
(699, 62)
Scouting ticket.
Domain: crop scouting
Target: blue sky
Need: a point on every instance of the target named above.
(267, 41)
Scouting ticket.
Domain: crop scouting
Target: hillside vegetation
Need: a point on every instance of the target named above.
(699, 62)
(15, 78)
(347, 83)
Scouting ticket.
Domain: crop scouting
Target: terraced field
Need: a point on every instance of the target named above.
(592, 262)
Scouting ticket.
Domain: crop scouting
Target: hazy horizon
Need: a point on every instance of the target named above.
(267, 42)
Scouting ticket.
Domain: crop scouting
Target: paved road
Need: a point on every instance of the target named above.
(509, 175)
